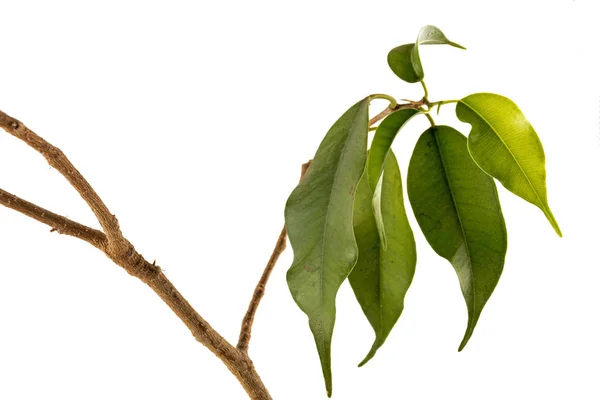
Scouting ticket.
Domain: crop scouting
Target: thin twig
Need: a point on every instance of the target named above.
(58, 223)
(61, 163)
(259, 291)
(413, 104)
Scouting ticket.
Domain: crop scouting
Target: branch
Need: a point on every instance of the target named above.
(58, 223)
(121, 251)
(61, 163)
(259, 291)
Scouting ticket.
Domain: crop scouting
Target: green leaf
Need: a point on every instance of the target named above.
(382, 142)
(456, 205)
(504, 144)
(400, 62)
(405, 60)
(380, 147)
(318, 217)
(428, 34)
(381, 276)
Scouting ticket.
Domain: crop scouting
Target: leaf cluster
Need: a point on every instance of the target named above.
(346, 219)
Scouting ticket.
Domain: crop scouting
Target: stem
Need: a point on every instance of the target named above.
(430, 118)
(441, 103)
(393, 102)
(259, 291)
(236, 361)
(426, 95)
(415, 105)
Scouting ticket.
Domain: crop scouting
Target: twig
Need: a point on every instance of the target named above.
(121, 251)
(58, 223)
(259, 291)
(411, 104)
(61, 163)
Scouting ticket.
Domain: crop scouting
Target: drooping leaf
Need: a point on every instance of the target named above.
(428, 34)
(318, 217)
(381, 276)
(456, 205)
(380, 147)
(405, 60)
(504, 144)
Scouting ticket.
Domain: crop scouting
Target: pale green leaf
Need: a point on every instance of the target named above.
(505, 145)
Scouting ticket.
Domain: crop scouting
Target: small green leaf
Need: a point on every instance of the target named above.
(456, 205)
(381, 276)
(428, 34)
(380, 147)
(504, 144)
(400, 62)
(405, 60)
(318, 217)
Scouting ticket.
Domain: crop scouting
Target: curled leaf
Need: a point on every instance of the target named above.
(405, 60)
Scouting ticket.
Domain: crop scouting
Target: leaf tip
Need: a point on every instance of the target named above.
(376, 345)
(556, 228)
(453, 44)
(552, 221)
(467, 336)
(367, 358)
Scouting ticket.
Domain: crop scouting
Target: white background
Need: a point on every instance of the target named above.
(191, 119)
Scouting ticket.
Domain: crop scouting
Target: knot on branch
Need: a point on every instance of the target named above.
(136, 265)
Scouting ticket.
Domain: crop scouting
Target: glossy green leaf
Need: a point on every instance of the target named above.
(456, 205)
(380, 147)
(318, 217)
(381, 276)
(405, 60)
(505, 145)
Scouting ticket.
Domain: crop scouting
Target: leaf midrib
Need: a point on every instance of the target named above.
(333, 184)
(462, 230)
